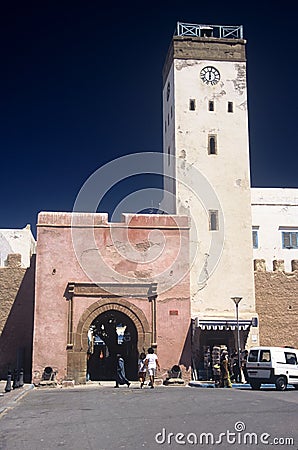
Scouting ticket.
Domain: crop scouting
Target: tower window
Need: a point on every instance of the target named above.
(192, 104)
(213, 220)
(168, 91)
(169, 155)
(165, 125)
(212, 144)
(168, 119)
(171, 111)
(230, 107)
(211, 105)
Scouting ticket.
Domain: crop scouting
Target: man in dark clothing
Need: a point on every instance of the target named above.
(120, 372)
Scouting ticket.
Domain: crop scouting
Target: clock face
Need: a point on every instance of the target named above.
(210, 75)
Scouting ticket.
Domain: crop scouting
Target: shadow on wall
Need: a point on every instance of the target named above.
(17, 335)
(185, 358)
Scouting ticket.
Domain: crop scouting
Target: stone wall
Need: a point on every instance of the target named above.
(87, 266)
(16, 316)
(277, 304)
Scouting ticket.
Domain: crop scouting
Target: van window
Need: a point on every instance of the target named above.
(290, 358)
(253, 356)
(265, 356)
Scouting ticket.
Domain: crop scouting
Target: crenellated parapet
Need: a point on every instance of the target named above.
(278, 265)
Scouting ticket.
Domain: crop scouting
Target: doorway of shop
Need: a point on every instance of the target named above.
(112, 332)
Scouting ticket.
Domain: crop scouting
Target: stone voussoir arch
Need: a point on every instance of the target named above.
(99, 307)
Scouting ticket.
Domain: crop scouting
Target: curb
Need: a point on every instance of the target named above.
(10, 399)
(242, 386)
(202, 384)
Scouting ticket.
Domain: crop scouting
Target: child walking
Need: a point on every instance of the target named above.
(142, 369)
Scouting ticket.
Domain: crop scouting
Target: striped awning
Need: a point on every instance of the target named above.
(221, 324)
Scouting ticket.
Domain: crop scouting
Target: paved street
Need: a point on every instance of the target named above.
(97, 418)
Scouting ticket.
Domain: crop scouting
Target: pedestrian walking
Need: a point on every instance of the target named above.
(142, 369)
(152, 364)
(120, 372)
(224, 370)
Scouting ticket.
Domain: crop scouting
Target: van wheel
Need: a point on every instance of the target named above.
(255, 385)
(281, 383)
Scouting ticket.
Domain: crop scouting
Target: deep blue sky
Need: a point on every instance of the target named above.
(81, 85)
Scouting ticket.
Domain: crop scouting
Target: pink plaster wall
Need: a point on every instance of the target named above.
(144, 248)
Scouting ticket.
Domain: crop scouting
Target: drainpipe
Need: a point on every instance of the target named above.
(152, 300)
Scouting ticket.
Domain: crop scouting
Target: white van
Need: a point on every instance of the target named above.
(277, 365)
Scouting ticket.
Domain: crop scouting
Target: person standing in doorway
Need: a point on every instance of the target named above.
(120, 372)
(152, 364)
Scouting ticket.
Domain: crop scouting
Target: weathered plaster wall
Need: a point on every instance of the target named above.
(141, 248)
(277, 306)
(221, 259)
(16, 316)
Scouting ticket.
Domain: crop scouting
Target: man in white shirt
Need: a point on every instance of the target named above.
(151, 363)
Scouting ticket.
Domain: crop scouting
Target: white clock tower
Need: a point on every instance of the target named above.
(206, 175)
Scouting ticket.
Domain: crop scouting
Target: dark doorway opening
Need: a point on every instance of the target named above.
(205, 340)
(110, 333)
(209, 339)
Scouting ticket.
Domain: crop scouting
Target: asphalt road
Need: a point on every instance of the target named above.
(98, 418)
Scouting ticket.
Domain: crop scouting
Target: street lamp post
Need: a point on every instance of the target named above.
(237, 300)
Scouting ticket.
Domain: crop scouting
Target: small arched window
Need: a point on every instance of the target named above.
(212, 144)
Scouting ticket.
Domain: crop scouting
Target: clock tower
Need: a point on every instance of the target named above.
(206, 175)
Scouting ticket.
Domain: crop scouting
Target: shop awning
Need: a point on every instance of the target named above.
(221, 324)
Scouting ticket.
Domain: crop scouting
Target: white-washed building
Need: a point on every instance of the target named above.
(275, 227)
(207, 176)
(19, 241)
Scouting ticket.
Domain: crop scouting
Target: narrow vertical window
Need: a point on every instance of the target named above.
(230, 107)
(169, 155)
(165, 125)
(168, 119)
(168, 91)
(212, 144)
(211, 105)
(255, 239)
(213, 220)
(192, 104)
(171, 112)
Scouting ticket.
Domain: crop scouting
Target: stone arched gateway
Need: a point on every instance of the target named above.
(76, 351)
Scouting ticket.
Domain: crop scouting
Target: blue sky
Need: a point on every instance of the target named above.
(81, 85)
